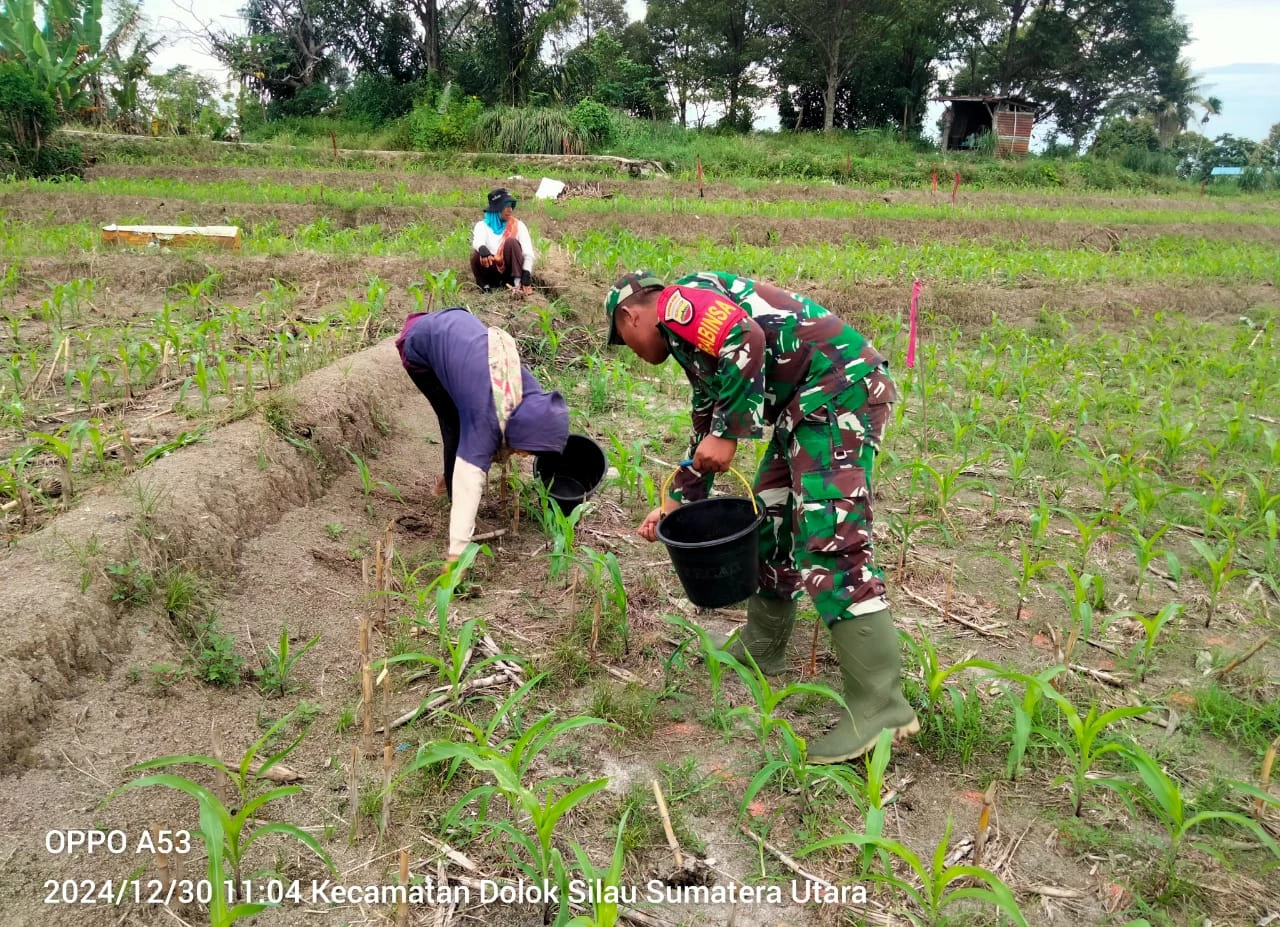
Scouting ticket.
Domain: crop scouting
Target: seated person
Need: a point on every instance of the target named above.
(488, 405)
(501, 249)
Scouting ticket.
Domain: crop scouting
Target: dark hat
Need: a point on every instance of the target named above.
(639, 281)
(498, 200)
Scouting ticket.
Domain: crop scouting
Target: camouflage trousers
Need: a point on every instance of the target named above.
(815, 482)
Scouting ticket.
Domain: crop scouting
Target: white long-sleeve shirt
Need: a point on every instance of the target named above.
(484, 236)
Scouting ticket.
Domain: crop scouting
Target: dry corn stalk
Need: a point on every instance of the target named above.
(219, 777)
(1264, 780)
(402, 906)
(387, 754)
(366, 679)
(666, 825)
(984, 822)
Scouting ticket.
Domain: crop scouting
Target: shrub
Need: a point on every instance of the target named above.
(446, 120)
(309, 101)
(531, 130)
(595, 123)
(375, 99)
(27, 117)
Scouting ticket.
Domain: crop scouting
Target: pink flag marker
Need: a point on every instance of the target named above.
(911, 334)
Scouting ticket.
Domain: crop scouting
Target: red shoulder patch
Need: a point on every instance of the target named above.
(701, 317)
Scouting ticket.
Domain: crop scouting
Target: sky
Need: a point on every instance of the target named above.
(1232, 48)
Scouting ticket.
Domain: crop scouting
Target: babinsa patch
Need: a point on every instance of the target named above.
(679, 310)
(700, 317)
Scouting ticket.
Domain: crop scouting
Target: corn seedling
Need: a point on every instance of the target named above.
(562, 528)
(367, 482)
(1087, 744)
(947, 485)
(1161, 796)
(761, 717)
(607, 882)
(604, 575)
(1027, 716)
(1146, 550)
(1152, 625)
(940, 885)
(273, 677)
(535, 856)
(1025, 570)
(1086, 594)
(1215, 571)
(227, 836)
(1088, 533)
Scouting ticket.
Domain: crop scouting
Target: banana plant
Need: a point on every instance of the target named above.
(64, 54)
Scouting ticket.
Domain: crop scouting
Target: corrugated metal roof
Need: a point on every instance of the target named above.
(985, 99)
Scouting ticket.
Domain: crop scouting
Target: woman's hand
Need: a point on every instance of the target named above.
(649, 527)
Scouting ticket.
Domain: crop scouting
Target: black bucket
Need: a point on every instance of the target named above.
(714, 545)
(573, 476)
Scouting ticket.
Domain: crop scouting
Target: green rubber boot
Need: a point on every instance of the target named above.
(765, 635)
(871, 669)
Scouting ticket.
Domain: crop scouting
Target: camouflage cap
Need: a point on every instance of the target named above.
(638, 281)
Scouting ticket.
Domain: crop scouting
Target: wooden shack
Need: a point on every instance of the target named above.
(967, 119)
(140, 236)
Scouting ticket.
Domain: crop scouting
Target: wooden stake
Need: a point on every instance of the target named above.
(956, 188)
(701, 194)
(402, 906)
(334, 139)
(353, 789)
(666, 825)
(813, 650)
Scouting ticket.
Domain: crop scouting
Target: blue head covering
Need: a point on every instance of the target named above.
(540, 424)
(499, 199)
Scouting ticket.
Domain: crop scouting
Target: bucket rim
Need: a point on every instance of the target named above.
(548, 478)
(727, 539)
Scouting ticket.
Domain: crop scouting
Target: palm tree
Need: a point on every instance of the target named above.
(1178, 92)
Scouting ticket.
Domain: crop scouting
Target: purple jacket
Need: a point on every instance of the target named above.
(454, 344)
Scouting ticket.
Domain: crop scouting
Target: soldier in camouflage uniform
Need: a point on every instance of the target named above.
(757, 355)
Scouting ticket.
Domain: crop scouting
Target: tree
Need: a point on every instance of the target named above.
(1073, 57)
(186, 103)
(832, 34)
(287, 54)
(519, 28)
(739, 46)
(682, 46)
(888, 82)
(591, 18)
(603, 71)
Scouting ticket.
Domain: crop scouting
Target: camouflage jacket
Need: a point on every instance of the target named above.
(755, 355)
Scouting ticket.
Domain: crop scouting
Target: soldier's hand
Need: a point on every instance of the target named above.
(649, 527)
(714, 455)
